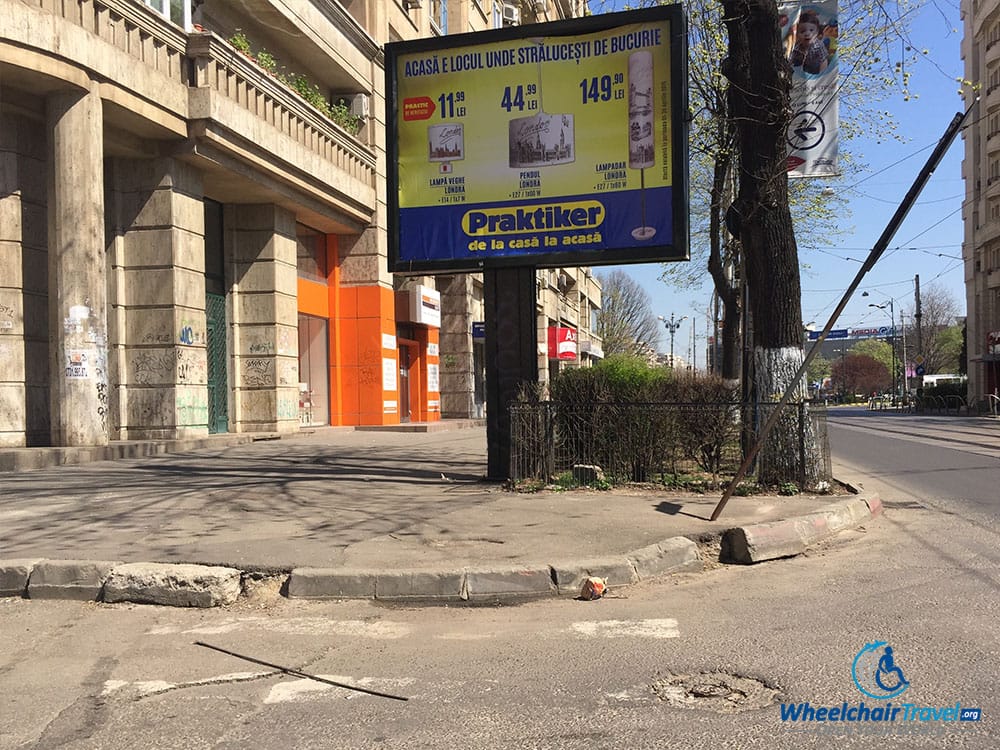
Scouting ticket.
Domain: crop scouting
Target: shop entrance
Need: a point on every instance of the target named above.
(218, 377)
(314, 376)
(404, 383)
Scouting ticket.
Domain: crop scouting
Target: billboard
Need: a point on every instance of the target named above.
(856, 333)
(556, 144)
(811, 34)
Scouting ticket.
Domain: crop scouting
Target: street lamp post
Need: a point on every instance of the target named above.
(672, 326)
(892, 337)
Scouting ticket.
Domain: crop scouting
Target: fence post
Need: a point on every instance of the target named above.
(550, 440)
(802, 445)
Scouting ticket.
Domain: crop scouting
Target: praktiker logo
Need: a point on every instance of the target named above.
(879, 677)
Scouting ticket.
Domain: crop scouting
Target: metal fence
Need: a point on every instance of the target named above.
(658, 442)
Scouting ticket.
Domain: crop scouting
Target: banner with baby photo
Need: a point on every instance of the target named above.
(810, 32)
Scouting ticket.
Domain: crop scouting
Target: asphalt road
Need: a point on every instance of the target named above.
(951, 464)
(556, 674)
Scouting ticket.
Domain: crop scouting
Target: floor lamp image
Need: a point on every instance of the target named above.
(640, 128)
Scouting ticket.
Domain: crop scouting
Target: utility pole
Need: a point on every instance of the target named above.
(906, 380)
(694, 346)
(916, 316)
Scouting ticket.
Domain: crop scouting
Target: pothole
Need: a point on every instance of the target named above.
(714, 691)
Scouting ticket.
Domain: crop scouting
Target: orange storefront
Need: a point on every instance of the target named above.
(360, 362)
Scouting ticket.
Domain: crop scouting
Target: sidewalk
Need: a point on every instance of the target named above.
(358, 506)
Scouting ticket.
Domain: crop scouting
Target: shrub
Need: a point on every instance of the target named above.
(337, 112)
(635, 420)
(240, 42)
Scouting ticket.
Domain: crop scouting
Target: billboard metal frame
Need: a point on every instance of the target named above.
(450, 226)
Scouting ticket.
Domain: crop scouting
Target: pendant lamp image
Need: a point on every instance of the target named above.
(641, 151)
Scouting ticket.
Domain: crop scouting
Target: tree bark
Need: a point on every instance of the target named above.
(725, 286)
(760, 81)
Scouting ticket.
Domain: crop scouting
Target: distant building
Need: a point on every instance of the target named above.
(981, 208)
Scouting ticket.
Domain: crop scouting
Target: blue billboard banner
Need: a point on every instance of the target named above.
(836, 333)
(523, 228)
(553, 144)
(856, 333)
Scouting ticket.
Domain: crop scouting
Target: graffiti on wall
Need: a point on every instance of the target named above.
(287, 343)
(289, 373)
(258, 372)
(192, 367)
(192, 408)
(6, 318)
(262, 347)
(288, 407)
(189, 334)
(150, 367)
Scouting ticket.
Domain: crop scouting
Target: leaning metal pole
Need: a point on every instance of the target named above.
(873, 256)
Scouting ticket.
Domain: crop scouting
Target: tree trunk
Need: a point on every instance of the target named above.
(760, 79)
(725, 286)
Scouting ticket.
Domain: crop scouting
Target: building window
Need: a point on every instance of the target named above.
(215, 263)
(311, 254)
(994, 80)
(178, 11)
(439, 16)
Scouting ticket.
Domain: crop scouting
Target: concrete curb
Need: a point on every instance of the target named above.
(756, 543)
(211, 586)
(29, 459)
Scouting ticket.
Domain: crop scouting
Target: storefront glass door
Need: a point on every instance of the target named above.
(314, 371)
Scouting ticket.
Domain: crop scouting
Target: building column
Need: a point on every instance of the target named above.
(262, 245)
(157, 324)
(457, 364)
(24, 330)
(77, 273)
(365, 353)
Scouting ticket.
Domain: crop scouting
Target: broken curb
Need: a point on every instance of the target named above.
(181, 585)
(746, 545)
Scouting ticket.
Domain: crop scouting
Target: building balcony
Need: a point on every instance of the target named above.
(216, 107)
(239, 108)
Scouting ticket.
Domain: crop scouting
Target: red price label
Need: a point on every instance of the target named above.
(417, 108)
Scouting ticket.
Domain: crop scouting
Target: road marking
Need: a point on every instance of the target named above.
(665, 628)
(294, 690)
(143, 688)
(376, 629)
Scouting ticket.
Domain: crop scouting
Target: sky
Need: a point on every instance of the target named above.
(928, 243)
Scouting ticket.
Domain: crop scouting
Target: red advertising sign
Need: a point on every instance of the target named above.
(418, 108)
(562, 342)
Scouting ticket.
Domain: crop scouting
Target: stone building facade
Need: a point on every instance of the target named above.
(193, 220)
(981, 208)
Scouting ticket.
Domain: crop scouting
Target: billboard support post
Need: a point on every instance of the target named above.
(511, 355)
(482, 175)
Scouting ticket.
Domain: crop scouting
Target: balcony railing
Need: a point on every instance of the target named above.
(219, 68)
(152, 32)
(129, 26)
